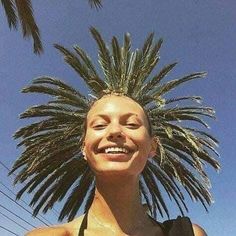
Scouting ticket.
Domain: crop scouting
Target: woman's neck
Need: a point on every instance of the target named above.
(117, 204)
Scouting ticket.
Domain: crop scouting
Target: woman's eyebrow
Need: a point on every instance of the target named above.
(97, 116)
(104, 116)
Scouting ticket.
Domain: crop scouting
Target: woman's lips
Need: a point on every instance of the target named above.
(114, 149)
(115, 156)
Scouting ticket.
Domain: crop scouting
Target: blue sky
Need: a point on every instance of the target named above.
(199, 34)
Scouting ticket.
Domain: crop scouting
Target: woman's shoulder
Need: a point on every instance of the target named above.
(198, 230)
(55, 230)
(67, 229)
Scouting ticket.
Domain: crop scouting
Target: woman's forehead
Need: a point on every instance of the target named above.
(115, 104)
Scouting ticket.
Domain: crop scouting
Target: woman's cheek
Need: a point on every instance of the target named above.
(92, 134)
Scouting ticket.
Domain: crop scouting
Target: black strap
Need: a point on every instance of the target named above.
(83, 225)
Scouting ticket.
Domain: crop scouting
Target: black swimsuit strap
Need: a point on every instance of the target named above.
(83, 225)
(156, 222)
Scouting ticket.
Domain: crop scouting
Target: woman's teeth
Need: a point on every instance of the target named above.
(116, 150)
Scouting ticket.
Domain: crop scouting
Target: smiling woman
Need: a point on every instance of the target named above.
(117, 145)
(115, 151)
(117, 138)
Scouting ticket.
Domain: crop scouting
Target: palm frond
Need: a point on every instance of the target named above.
(10, 11)
(116, 53)
(125, 61)
(105, 59)
(95, 3)
(150, 57)
(21, 11)
(156, 79)
(169, 184)
(90, 198)
(28, 24)
(93, 82)
(157, 199)
(159, 91)
(77, 196)
(52, 144)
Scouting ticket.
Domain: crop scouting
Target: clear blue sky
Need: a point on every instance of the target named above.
(201, 35)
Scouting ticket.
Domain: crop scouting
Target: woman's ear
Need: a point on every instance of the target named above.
(83, 151)
(84, 155)
(154, 146)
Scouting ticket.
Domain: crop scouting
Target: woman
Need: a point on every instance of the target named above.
(133, 142)
(117, 145)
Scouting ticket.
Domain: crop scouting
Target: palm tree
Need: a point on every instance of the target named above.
(52, 163)
(21, 11)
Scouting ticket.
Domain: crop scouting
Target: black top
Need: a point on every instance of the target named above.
(181, 226)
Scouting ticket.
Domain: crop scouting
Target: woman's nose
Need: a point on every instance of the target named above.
(115, 132)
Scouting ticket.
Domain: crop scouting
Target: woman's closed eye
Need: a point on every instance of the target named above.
(132, 125)
(99, 126)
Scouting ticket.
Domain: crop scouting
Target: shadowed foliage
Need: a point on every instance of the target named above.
(52, 165)
(21, 11)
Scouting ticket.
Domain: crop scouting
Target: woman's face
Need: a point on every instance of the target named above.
(117, 140)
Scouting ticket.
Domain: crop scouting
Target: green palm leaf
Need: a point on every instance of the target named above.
(21, 11)
(28, 24)
(53, 143)
(105, 60)
(10, 11)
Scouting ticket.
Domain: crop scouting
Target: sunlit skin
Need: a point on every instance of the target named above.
(115, 121)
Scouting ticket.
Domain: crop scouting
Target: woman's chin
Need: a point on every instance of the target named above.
(113, 168)
(116, 157)
(117, 164)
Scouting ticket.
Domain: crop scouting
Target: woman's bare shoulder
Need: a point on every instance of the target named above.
(68, 229)
(198, 230)
(54, 231)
